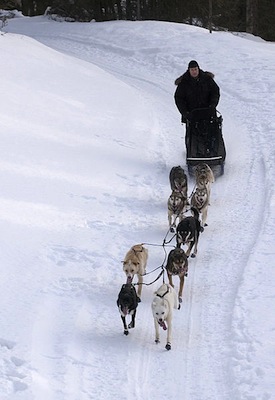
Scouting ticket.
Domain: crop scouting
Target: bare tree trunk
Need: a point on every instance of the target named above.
(98, 10)
(129, 12)
(252, 16)
(210, 16)
(28, 8)
(138, 10)
(119, 10)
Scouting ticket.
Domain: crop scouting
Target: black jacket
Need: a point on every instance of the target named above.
(200, 92)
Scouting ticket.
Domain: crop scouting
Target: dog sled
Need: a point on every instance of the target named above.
(204, 141)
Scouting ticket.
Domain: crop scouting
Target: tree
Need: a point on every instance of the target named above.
(266, 19)
(252, 16)
(10, 4)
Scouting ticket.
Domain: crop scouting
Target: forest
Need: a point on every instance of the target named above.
(252, 16)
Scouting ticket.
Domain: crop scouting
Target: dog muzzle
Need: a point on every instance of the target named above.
(178, 270)
(175, 271)
(129, 279)
(162, 324)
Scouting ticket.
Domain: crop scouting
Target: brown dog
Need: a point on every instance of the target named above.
(177, 264)
(178, 180)
(200, 200)
(135, 263)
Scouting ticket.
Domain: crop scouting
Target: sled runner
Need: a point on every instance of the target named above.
(204, 141)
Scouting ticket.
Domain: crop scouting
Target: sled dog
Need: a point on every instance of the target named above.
(188, 232)
(178, 180)
(204, 177)
(127, 303)
(177, 264)
(134, 263)
(200, 201)
(176, 207)
(165, 299)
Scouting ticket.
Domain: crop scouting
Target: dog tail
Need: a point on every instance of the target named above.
(195, 212)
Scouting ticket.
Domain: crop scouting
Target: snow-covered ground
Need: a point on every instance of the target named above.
(89, 133)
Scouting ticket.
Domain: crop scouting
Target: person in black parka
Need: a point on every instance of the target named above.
(196, 89)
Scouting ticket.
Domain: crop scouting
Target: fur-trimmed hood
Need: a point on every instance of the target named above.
(187, 75)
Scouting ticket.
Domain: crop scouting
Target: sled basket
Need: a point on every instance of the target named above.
(204, 141)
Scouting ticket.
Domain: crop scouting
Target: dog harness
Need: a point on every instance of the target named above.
(164, 294)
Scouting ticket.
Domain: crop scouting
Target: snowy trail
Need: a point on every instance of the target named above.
(208, 331)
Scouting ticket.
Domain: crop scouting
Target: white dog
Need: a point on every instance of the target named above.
(162, 308)
(135, 263)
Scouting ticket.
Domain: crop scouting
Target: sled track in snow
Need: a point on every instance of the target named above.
(202, 328)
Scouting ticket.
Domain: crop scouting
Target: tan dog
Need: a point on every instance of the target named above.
(135, 263)
(176, 208)
(177, 264)
(204, 177)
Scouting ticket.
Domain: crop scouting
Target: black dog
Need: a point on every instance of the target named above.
(188, 231)
(127, 303)
(177, 264)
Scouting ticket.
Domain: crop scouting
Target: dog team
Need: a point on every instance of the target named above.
(188, 229)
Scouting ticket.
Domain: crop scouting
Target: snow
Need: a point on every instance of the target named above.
(89, 133)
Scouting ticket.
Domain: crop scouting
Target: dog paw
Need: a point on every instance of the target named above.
(126, 333)
(202, 228)
(168, 346)
(138, 299)
(131, 325)
(193, 255)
